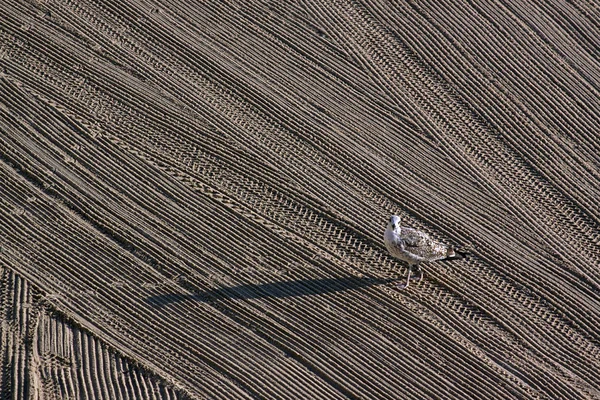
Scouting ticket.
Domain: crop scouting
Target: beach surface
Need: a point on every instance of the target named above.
(193, 196)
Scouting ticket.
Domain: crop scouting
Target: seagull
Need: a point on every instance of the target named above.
(414, 247)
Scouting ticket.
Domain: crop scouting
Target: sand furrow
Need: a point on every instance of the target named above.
(483, 146)
(120, 324)
(198, 192)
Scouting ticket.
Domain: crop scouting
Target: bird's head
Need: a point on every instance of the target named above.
(394, 222)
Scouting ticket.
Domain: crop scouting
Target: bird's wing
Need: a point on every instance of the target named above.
(414, 238)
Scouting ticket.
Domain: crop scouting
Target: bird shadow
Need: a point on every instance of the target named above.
(275, 290)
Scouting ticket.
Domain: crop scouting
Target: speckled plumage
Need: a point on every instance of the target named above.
(413, 246)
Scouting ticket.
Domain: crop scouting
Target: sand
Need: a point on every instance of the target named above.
(193, 196)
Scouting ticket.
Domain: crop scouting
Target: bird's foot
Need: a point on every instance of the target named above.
(420, 277)
(402, 286)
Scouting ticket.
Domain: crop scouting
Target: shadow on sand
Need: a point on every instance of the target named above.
(305, 287)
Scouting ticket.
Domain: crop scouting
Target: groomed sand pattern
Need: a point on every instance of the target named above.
(193, 196)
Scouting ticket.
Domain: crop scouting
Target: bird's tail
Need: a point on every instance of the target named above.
(456, 252)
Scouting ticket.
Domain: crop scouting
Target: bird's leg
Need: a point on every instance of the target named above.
(402, 286)
(418, 268)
